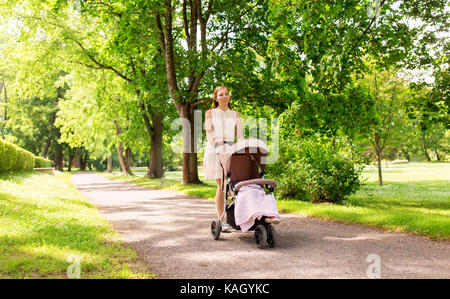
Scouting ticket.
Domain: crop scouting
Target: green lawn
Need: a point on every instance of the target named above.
(44, 221)
(415, 198)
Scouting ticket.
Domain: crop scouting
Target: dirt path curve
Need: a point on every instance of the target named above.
(171, 233)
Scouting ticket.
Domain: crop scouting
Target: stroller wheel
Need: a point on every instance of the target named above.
(260, 236)
(272, 237)
(216, 228)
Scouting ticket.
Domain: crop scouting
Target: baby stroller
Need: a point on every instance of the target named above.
(244, 164)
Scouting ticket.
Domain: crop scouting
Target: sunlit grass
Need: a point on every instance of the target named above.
(409, 172)
(44, 221)
(415, 198)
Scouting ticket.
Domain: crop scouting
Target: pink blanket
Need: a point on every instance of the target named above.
(252, 202)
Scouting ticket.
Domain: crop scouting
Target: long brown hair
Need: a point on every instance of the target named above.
(215, 104)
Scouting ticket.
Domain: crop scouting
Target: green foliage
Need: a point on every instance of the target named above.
(291, 182)
(310, 170)
(320, 52)
(40, 162)
(347, 113)
(328, 176)
(301, 59)
(14, 158)
(90, 110)
(30, 123)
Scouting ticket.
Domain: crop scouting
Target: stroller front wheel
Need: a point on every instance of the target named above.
(260, 236)
(216, 228)
(272, 237)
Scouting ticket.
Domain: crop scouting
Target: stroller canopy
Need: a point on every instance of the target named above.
(237, 159)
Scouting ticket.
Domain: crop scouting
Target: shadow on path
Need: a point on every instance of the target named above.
(172, 233)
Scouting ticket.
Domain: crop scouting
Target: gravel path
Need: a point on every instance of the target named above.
(171, 233)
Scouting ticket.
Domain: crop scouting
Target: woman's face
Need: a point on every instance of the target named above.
(223, 97)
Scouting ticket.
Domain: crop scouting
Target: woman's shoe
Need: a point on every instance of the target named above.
(226, 228)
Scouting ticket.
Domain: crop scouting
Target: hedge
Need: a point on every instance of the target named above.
(40, 162)
(13, 158)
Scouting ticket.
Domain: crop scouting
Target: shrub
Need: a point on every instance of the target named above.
(317, 174)
(14, 158)
(40, 162)
(330, 177)
(290, 184)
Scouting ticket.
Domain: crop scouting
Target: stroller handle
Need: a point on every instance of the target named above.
(255, 181)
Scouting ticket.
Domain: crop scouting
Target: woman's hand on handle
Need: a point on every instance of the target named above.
(218, 143)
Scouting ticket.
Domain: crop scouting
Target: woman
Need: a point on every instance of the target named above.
(222, 125)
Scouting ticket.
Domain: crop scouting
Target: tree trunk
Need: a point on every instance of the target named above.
(425, 151)
(423, 143)
(71, 156)
(109, 165)
(83, 161)
(122, 159)
(154, 131)
(437, 155)
(190, 170)
(129, 159)
(427, 156)
(380, 176)
(59, 165)
(405, 152)
(155, 167)
(378, 151)
(124, 163)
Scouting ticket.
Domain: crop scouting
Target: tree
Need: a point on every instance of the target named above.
(218, 37)
(120, 37)
(389, 93)
(131, 54)
(427, 109)
(322, 47)
(99, 37)
(4, 40)
(3, 87)
(98, 114)
(34, 93)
